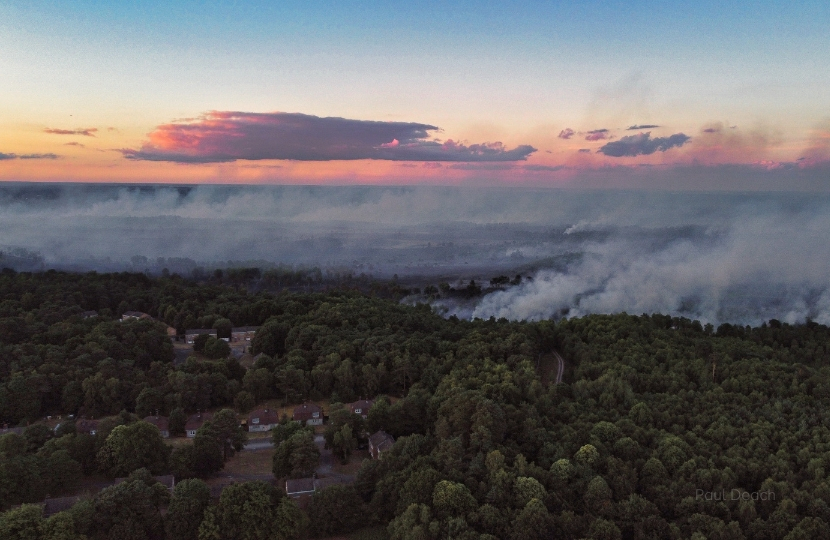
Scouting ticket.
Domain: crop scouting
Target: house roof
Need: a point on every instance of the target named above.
(266, 416)
(138, 314)
(245, 329)
(381, 440)
(363, 404)
(195, 421)
(306, 411)
(160, 422)
(299, 485)
(88, 314)
(59, 504)
(200, 331)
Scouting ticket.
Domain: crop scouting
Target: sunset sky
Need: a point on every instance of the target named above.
(701, 95)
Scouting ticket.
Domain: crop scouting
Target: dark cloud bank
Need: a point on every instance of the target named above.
(228, 136)
(716, 257)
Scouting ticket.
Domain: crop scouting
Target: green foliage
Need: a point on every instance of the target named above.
(652, 407)
(336, 510)
(253, 511)
(187, 508)
(134, 446)
(131, 510)
(297, 456)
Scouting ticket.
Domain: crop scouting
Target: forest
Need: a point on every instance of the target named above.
(662, 427)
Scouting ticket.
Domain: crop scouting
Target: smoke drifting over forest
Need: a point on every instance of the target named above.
(740, 258)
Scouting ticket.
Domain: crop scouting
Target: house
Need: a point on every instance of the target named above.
(86, 426)
(243, 333)
(191, 335)
(195, 421)
(58, 504)
(134, 315)
(380, 442)
(309, 413)
(297, 487)
(263, 420)
(361, 407)
(88, 314)
(160, 422)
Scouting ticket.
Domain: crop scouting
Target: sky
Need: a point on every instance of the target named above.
(650, 95)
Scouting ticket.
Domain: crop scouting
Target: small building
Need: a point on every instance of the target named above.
(263, 420)
(59, 504)
(308, 413)
(89, 427)
(243, 333)
(134, 315)
(361, 407)
(195, 421)
(160, 422)
(191, 335)
(88, 314)
(380, 442)
(297, 487)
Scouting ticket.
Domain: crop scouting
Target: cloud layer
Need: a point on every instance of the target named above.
(86, 132)
(643, 144)
(4, 157)
(229, 136)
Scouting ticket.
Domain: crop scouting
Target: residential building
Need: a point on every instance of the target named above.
(243, 333)
(380, 442)
(309, 413)
(361, 407)
(195, 421)
(160, 422)
(263, 420)
(191, 335)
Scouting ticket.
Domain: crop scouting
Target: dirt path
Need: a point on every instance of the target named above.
(561, 369)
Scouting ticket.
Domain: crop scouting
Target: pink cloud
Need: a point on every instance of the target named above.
(597, 135)
(229, 136)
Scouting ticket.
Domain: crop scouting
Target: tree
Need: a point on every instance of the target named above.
(337, 509)
(532, 523)
(253, 511)
(187, 507)
(223, 328)
(452, 498)
(297, 456)
(177, 421)
(244, 401)
(135, 446)
(216, 348)
(23, 523)
(36, 436)
(131, 510)
(207, 455)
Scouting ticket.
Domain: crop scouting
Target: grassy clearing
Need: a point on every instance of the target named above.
(250, 462)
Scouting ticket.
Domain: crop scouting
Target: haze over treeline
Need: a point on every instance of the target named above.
(736, 257)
